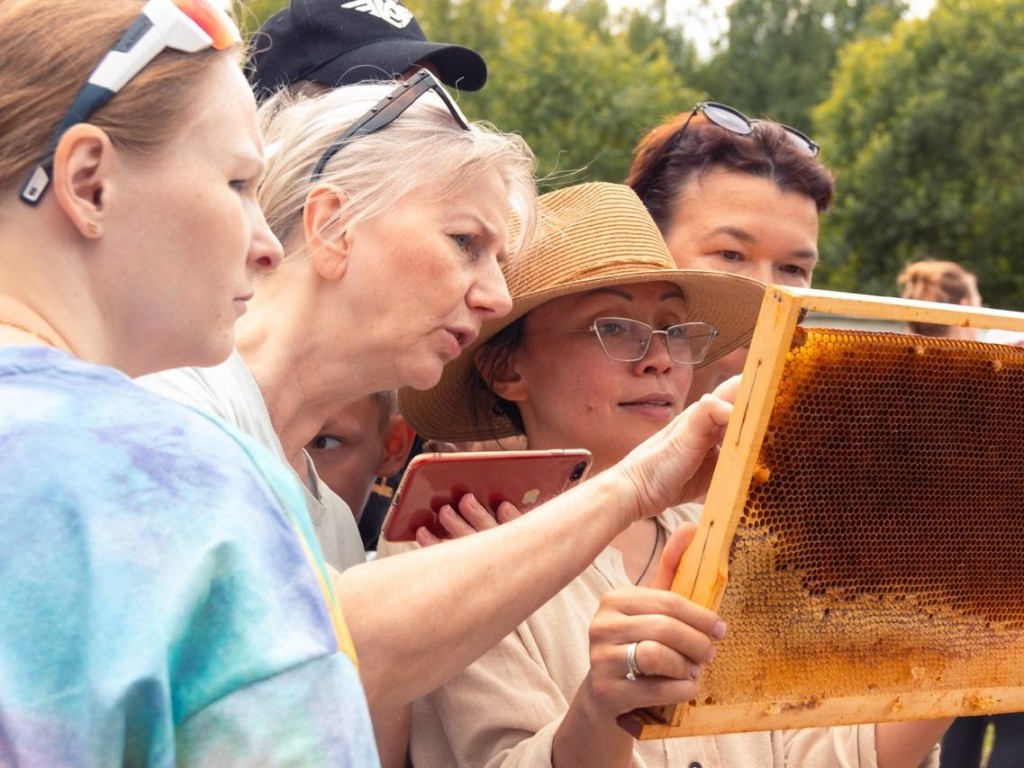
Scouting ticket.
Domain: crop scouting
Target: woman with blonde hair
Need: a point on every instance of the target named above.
(165, 603)
(392, 238)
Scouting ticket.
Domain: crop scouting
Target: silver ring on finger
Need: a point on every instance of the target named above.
(632, 670)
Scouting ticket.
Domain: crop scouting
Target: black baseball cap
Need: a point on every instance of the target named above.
(340, 42)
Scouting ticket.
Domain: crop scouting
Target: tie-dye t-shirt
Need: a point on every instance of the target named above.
(159, 605)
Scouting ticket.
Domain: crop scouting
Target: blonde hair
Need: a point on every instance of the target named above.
(387, 405)
(48, 48)
(942, 281)
(423, 145)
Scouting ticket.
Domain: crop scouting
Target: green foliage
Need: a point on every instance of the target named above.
(573, 83)
(252, 13)
(924, 129)
(780, 53)
(920, 119)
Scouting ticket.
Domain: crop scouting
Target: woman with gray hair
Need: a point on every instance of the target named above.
(332, 324)
(394, 215)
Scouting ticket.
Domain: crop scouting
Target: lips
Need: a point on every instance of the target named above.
(654, 400)
(658, 407)
(241, 303)
(463, 336)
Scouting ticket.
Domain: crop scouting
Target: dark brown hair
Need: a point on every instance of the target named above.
(493, 357)
(667, 158)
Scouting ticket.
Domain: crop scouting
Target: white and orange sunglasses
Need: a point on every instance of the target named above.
(182, 25)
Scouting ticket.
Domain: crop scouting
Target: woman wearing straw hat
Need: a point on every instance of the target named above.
(598, 352)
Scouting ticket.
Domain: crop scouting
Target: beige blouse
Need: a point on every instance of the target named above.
(505, 708)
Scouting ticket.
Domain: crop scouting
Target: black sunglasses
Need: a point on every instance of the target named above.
(388, 109)
(733, 120)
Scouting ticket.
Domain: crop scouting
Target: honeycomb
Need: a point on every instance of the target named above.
(881, 545)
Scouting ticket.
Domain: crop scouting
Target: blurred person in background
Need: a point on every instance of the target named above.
(947, 282)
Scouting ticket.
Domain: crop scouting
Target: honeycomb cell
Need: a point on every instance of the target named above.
(881, 545)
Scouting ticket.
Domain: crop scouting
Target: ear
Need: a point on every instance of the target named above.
(81, 176)
(328, 251)
(397, 445)
(506, 379)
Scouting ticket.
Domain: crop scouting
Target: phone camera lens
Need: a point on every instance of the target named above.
(578, 470)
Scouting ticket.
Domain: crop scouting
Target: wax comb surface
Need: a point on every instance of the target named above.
(875, 562)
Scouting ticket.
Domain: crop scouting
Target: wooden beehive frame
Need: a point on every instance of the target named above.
(703, 573)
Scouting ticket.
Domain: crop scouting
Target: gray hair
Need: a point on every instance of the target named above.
(374, 170)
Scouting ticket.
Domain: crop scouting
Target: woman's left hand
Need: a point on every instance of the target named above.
(673, 637)
(471, 516)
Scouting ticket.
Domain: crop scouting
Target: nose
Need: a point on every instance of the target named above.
(763, 271)
(490, 292)
(265, 251)
(657, 358)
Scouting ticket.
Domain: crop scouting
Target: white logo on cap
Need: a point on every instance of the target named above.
(386, 10)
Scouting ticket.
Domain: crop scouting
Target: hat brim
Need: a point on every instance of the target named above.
(457, 410)
(458, 66)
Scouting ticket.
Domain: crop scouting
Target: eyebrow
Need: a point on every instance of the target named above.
(487, 229)
(488, 232)
(674, 293)
(743, 236)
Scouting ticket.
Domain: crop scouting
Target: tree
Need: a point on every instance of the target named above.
(924, 130)
(574, 87)
(779, 54)
(252, 13)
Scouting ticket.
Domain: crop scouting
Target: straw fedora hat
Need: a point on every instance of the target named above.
(592, 235)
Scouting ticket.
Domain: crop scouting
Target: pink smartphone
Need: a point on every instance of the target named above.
(525, 478)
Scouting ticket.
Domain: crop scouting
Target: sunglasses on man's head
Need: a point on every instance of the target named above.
(182, 25)
(389, 109)
(735, 121)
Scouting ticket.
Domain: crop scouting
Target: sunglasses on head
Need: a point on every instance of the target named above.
(735, 121)
(389, 109)
(181, 25)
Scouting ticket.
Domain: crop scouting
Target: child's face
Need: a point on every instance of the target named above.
(349, 450)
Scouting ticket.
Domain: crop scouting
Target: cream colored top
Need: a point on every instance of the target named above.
(505, 708)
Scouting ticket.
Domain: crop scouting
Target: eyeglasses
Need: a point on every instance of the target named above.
(735, 121)
(628, 340)
(389, 109)
(182, 25)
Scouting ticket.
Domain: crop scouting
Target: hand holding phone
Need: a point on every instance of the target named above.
(523, 478)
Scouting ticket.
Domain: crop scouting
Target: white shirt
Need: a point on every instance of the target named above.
(229, 391)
